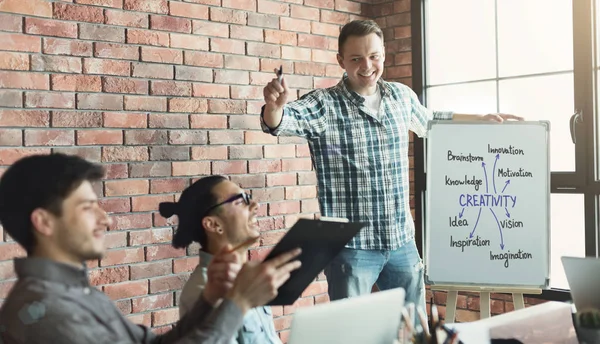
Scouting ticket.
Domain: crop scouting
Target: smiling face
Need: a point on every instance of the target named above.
(233, 222)
(362, 57)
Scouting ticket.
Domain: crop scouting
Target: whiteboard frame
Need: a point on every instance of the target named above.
(426, 224)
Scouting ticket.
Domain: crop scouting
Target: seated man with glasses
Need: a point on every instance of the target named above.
(216, 212)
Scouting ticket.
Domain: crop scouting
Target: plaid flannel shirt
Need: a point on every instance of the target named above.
(361, 157)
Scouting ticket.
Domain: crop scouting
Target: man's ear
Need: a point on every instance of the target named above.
(211, 224)
(340, 60)
(43, 221)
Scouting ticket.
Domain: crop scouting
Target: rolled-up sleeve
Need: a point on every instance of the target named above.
(421, 116)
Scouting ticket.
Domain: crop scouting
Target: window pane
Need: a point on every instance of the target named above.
(545, 98)
(460, 46)
(567, 236)
(477, 97)
(534, 36)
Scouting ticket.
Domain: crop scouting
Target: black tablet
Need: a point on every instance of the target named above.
(320, 242)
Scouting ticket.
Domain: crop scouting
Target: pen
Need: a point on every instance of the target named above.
(280, 73)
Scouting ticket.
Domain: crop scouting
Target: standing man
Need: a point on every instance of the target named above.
(357, 132)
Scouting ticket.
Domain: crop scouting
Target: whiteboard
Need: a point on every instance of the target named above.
(487, 213)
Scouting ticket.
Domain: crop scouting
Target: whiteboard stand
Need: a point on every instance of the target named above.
(484, 298)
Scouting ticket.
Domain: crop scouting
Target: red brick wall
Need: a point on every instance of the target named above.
(162, 92)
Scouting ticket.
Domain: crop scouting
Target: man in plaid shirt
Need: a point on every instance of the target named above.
(357, 132)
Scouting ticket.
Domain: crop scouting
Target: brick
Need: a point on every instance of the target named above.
(148, 270)
(56, 46)
(125, 18)
(105, 3)
(168, 185)
(188, 137)
(229, 167)
(334, 71)
(101, 66)
(88, 153)
(125, 120)
(210, 91)
(209, 153)
(281, 37)
(39, 137)
(401, 6)
(334, 17)
(247, 33)
(168, 153)
(19, 42)
(263, 50)
(324, 29)
(403, 58)
(203, 59)
(38, 8)
(182, 9)
(11, 98)
(226, 106)
(246, 152)
(254, 107)
(140, 103)
(8, 156)
(324, 56)
(307, 178)
(189, 42)
(116, 51)
(190, 168)
(280, 151)
(210, 29)
(116, 171)
(152, 71)
(268, 65)
(241, 62)
(115, 205)
(152, 302)
(146, 137)
(153, 6)
(399, 71)
(79, 83)
(232, 77)
(141, 319)
(313, 41)
(153, 169)
(11, 137)
(159, 252)
(273, 7)
(50, 100)
(309, 68)
(227, 16)
(348, 6)
(247, 92)
(126, 289)
(149, 203)
(168, 121)
(45, 27)
(168, 23)
(310, 206)
(165, 317)
(302, 151)
(168, 283)
(208, 121)
(224, 45)
(295, 25)
(263, 20)
(100, 137)
(187, 105)
(126, 187)
(76, 119)
(193, 73)
(260, 79)
(131, 221)
(124, 85)
(254, 181)
(170, 88)
(99, 101)
(60, 64)
(264, 166)
(162, 55)
(283, 322)
(303, 12)
(90, 14)
(10, 251)
(226, 137)
(110, 154)
(293, 53)
(14, 61)
(101, 33)
(247, 5)
(103, 276)
(11, 22)
(250, 122)
(258, 137)
(114, 240)
(187, 264)
(147, 37)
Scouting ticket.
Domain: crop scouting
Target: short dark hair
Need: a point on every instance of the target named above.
(358, 28)
(190, 210)
(40, 181)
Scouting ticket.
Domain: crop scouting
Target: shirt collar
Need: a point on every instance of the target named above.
(51, 271)
(344, 86)
(205, 258)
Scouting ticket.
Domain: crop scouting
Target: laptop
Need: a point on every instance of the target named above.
(374, 319)
(583, 275)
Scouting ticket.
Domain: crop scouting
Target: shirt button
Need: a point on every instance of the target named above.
(86, 291)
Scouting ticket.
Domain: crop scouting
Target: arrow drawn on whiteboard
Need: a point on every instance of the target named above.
(486, 180)
(505, 185)
(476, 222)
(507, 213)
(461, 213)
(500, 229)
(494, 172)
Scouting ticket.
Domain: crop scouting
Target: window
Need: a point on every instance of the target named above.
(533, 58)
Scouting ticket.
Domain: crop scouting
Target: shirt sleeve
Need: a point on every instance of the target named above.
(305, 117)
(420, 115)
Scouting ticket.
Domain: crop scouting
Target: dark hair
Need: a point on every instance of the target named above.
(40, 181)
(190, 209)
(358, 28)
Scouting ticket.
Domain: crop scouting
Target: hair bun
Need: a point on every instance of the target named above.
(167, 209)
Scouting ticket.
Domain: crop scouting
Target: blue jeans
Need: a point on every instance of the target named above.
(354, 272)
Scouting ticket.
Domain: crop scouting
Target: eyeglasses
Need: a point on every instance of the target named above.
(245, 196)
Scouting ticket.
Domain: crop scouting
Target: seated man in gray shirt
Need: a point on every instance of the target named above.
(48, 205)
(216, 212)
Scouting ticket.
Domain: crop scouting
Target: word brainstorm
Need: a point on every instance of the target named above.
(496, 201)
